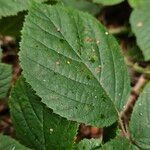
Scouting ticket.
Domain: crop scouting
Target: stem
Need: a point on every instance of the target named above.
(122, 126)
(126, 113)
(138, 68)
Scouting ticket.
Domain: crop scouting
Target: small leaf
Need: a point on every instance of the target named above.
(139, 125)
(82, 5)
(12, 25)
(5, 79)
(86, 144)
(119, 144)
(136, 3)
(7, 143)
(108, 2)
(76, 62)
(12, 7)
(37, 126)
(140, 24)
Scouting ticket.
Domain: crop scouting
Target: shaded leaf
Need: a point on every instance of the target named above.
(76, 62)
(140, 120)
(108, 2)
(37, 126)
(12, 7)
(7, 143)
(110, 132)
(82, 5)
(5, 79)
(140, 24)
(86, 144)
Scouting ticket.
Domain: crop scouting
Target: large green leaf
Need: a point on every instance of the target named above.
(7, 143)
(87, 144)
(12, 7)
(140, 24)
(119, 143)
(108, 2)
(74, 65)
(140, 120)
(36, 125)
(5, 79)
(12, 25)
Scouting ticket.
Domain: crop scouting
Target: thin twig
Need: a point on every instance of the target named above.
(138, 68)
(134, 94)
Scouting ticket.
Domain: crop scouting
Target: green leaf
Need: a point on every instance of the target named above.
(82, 5)
(140, 24)
(7, 143)
(76, 62)
(139, 125)
(0, 54)
(12, 25)
(37, 126)
(136, 3)
(119, 143)
(108, 2)
(5, 79)
(86, 144)
(12, 7)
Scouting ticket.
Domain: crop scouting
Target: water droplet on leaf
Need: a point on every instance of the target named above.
(51, 130)
(106, 33)
(57, 63)
(139, 24)
(68, 62)
(58, 29)
(97, 42)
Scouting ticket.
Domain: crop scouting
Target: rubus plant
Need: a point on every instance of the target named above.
(73, 72)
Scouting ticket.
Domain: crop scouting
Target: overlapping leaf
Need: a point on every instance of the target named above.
(119, 144)
(12, 7)
(86, 144)
(5, 79)
(74, 65)
(136, 3)
(140, 120)
(82, 5)
(108, 2)
(7, 143)
(36, 125)
(140, 24)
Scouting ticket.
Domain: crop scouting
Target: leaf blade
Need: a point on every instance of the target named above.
(5, 79)
(8, 143)
(139, 21)
(139, 124)
(86, 74)
(37, 126)
(119, 143)
(108, 2)
(88, 144)
(12, 7)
